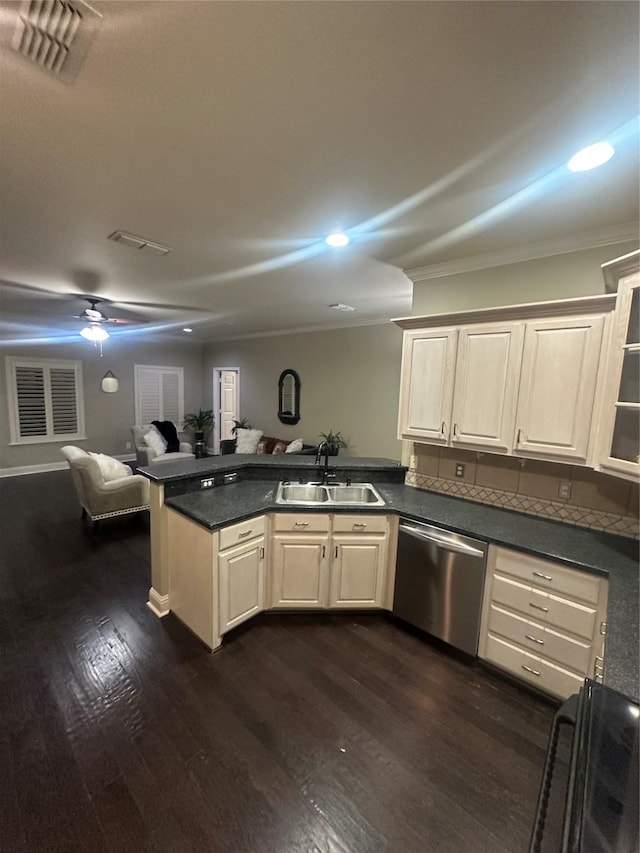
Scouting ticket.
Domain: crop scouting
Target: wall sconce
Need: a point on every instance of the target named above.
(109, 383)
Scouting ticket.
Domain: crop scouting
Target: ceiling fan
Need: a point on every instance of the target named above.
(95, 319)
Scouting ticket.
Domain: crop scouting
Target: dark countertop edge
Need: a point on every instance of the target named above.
(193, 468)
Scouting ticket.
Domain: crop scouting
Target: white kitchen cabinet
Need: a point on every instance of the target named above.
(359, 561)
(300, 560)
(241, 572)
(557, 387)
(619, 444)
(486, 385)
(543, 622)
(241, 579)
(340, 562)
(523, 380)
(426, 385)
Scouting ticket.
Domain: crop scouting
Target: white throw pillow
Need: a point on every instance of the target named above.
(294, 446)
(110, 468)
(155, 441)
(247, 440)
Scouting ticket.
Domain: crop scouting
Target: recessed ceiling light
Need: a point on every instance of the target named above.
(337, 239)
(187, 330)
(590, 157)
(340, 306)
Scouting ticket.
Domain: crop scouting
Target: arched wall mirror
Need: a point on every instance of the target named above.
(289, 397)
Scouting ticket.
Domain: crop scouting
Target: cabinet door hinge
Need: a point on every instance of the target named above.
(603, 628)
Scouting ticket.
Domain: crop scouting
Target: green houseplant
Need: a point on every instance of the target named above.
(334, 441)
(241, 424)
(199, 422)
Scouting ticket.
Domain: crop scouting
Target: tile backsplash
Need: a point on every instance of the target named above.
(566, 493)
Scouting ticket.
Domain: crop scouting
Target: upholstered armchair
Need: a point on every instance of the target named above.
(146, 455)
(104, 489)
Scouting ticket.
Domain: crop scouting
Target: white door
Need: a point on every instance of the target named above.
(226, 395)
(486, 385)
(426, 385)
(557, 387)
(241, 578)
(299, 569)
(357, 571)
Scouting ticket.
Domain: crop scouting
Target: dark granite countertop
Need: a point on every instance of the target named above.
(613, 556)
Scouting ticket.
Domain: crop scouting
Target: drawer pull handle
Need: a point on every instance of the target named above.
(244, 535)
(359, 524)
(538, 607)
(301, 524)
(544, 577)
(262, 553)
(455, 430)
(442, 428)
(323, 552)
(532, 671)
(534, 639)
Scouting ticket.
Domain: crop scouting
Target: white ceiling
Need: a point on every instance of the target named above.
(240, 133)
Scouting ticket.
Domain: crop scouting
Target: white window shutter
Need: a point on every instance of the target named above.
(45, 400)
(30, 393)
(159, 394)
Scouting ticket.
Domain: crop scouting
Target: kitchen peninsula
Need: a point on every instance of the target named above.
(185, 517)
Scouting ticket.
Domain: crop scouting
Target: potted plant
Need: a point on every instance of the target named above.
(199, 422)
(334, 441)
(241, 424)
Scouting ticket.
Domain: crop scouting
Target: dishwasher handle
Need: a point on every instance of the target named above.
(441, 541)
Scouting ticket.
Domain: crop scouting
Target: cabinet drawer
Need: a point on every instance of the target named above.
(540, 640)
(301, 522)
(532, 669)
(238, 533)
(545, 607)
(546, 575)
(359, 523)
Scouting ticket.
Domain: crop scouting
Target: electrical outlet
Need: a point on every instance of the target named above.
(413, 461)
(127, 445)
(564, 489)
(459, 469)
(206, 484)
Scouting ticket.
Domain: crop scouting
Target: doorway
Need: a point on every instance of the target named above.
(226, 403)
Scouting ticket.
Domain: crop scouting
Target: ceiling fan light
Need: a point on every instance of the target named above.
(94, 332)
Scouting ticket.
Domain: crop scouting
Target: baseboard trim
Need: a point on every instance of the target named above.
(158, 604)
(46, 467)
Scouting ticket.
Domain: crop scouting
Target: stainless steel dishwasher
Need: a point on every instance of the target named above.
(439, 583)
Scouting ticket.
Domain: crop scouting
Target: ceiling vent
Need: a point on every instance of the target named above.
(138, 243)
(55, 34)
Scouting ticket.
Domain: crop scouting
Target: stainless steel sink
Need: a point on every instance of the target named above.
(302, 493)
(360, 493)
(316, 494)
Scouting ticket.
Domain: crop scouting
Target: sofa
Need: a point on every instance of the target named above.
(147, 455)
(105, 486)
(254, 441)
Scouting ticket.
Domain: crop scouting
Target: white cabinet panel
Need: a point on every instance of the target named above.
(358, 571)
(300, 571)
(241, 583)
(557, 387)
(426, 385)
(486, 385)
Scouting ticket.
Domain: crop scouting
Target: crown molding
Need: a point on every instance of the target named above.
(531, 252)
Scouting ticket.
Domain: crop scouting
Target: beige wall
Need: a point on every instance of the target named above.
(558, 277)
(108, 417)
(349, 383)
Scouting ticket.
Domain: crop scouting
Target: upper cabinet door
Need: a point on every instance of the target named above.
(426, 385)
(620, 439)
(486, 385)
(557, 387)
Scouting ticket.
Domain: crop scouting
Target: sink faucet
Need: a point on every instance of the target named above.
(323, 450)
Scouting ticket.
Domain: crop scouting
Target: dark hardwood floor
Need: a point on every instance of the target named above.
(323, 733)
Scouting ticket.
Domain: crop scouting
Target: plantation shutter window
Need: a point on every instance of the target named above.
(159, 393)
(45, 400)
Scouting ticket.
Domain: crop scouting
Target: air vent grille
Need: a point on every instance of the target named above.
(55, 34)
(138, 243)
